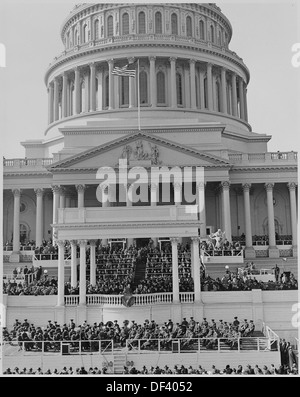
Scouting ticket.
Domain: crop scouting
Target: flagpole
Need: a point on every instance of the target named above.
(138, 84)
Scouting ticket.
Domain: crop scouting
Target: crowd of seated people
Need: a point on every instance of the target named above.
(166, 370)
(235, 281)
(148, 333)
(227, 248)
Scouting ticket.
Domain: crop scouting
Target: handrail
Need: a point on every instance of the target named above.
(219, 344)
(223, 252)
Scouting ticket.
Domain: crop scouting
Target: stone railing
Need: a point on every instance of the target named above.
(167, 38)
(26, 163)
(269, 157)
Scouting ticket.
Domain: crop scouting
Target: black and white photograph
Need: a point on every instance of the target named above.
(149, 200)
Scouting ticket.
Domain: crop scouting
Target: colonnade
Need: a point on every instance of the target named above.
(91, 245)
(61, 200)
(192, 84)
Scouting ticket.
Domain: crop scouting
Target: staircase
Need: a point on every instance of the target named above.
(119, 363)
(140, 271)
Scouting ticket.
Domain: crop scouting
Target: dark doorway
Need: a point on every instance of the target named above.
(142, 242)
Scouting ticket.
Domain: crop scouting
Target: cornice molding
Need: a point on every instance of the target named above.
(265, 168)
(125, 225)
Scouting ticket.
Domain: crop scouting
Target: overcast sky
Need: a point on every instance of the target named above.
(263, 35)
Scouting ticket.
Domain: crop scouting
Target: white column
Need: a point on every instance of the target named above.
(100, 90)
(50, 102)
(241, 95)
(152, 81)
(80, 191)
(56, 192)
(131, 84)
(271, 224)
(56, 99)
(245, 103)
(226, 209)
(196, 268)
(82, 273)
(223, 91)
(111, 84)
(93, 87)
(177, 193)
(93, 262)
(77, 89)
(154, 200)
(201, 207)
(61, 273)
(87, 92)
(201, 82)
(292, 190)
(234, 95)
(73, 263)
(175, 278)
(39, 217)
(16, 232)
(209, 87)
(62, 198)
(192, 83)
(64, 95)
(247, 212)
(173, 82)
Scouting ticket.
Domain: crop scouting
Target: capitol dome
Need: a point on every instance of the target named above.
(187, 73)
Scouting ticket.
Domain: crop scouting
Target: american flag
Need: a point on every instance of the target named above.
(124, 71)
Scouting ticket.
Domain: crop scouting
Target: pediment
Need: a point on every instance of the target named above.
(139, 149)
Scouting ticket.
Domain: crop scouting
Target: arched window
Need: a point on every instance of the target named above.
(197, 91)
(125, 23)
(205, 94)
(158, 22)
(76, 37)
(174, 23)
(85, 34)
(68, 40)
(189, 29)
(179, 88)
(96, 29)
(107, 91)
(218, 96)
(124, 90)
(219, 38)
(97, 85)
(142, 23)
(160, 88)
(212, 34)
(143, 88)
(110, 26)
(201, 28)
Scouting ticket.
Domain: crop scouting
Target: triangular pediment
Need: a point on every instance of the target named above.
(142, 149)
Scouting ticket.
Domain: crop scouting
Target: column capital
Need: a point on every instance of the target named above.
(77, 69)
(225, 185)
(60, 243)
(152, 58)
(172, 59)
(153, 187)
(201, 185)
(39, 192)
(246, 186)
(292, 185)
(62, 191)
(92, 243)
(82, 243)
(209, 65)
(80, 188)
(192, 61)
(55, 189)
(195, 239)
(269, 186)
(110, 61)
(73, 243)
(16, 192)
(174, 240)
(92, 65)
(177, 186)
